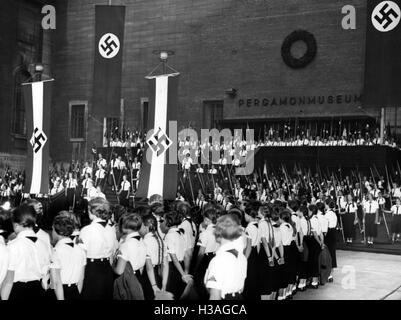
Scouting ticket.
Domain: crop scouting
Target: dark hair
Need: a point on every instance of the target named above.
(72, 216)
(220, 211)
(157, 209)
(184, 209)
(266, 210)
(238, 212)
(320, 206)
(228, 227)
(144, 210)
(293, 205)
(211, 214)
(32, 203)
(130, 221)
(150, 221)
(313, 208)
(24, 215)
(275, 213)
(251, 210)
(304, 210)
(332, 205)
(100, 208)
(285, 215)
(172, 219)
(63, 225)
(5, 222)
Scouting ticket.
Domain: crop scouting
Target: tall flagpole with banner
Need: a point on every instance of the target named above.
(37, 97)
(159, 170)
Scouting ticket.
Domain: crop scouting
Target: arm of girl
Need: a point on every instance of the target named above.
(7, 285)
(165, 274)
(185, 277)
(81, 280)
(120, 266)
(151, 274)
(247, 250)
(58, 285)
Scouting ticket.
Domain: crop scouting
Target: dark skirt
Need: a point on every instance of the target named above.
(146, 285)
(175, 285)
(370, 225)
(70, 197)
(302, 265)
(290, 265)
(331, 242)
(31, 290)
(264, 273)
(98, 281)
(158, 270)
(313, 256)
(123, 199)
(251, 287)
(348, 225)
(270, 278)
(396, 224)
(200, 275)
(71, 292)
(233, 297)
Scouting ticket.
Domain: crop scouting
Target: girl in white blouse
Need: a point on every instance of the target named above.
(315, 242)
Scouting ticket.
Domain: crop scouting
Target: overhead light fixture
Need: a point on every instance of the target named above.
(231, 92)
(39, 68)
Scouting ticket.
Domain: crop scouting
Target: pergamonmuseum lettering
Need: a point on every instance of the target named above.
(300, 100)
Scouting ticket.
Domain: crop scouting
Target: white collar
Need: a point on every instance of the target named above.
(97, 219)
(227, 246)
(132, 235)
(26, 233)
(64, 241)
(210, 226)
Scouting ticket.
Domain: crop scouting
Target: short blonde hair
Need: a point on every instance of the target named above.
(155, 198)
(228, 227)
(100, 208)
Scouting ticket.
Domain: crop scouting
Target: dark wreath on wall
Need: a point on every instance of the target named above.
(307, 58)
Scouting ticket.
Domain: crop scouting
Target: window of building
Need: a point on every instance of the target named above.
(77, 121)
(112, 130)
(212, 114)
(393, 122)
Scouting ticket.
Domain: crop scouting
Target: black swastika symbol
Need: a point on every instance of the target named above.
(386, 16)
(38, 139)
(108, 45)
(156, 142)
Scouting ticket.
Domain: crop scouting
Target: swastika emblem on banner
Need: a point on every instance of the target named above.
(38, 140)
(159, 142)
(386, 16)
(109, 45)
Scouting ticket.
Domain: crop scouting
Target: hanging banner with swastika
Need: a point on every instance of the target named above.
(383, 54)
(37, 99)
(109, 38)
(158, 173)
